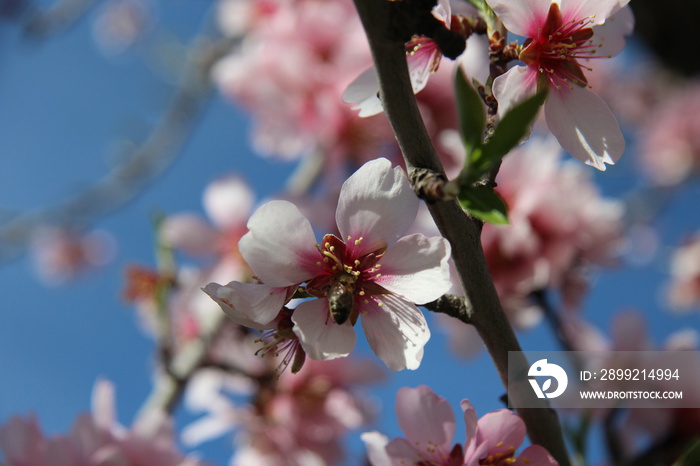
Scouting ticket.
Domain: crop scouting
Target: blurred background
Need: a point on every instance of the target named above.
(109, 121)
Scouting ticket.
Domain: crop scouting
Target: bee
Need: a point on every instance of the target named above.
(341, 296)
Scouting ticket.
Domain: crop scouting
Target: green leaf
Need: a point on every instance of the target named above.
(472, 118)
(512, 128)
(485, 204)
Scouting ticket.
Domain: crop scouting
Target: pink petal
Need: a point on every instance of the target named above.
(213, 289)
(376, 204)
(364, 93)
(280, 246)
(402, 451)
(423, 62)
(425, 418)
(416, 267)
(513, 87)
(190, 233)
(259, 303)
(228, 202)
(320, 337)
(376, 448)
(521, 17)
(535, 455)
(584, 126)
(471, 421)
(502, 428)
(103, 410)
(396, 331)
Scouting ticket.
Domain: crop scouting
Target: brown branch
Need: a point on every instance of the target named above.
(461, 231)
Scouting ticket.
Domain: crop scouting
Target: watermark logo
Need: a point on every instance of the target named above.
(542, 368)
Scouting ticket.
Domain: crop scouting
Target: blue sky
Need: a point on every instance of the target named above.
(63, 106)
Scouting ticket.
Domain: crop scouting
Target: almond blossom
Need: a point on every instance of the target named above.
(368, 271)
(429, 425)
(96, 439)
(684, 290)
(561, 37)
(297, 419)
(423, 56)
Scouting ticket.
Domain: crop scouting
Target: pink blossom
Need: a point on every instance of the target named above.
(670, 141)
(95, 439)
(296, 419)
(423, 56)
(62, 254)
(561, 34)
(684, 290)
(559, 224)
(290, 72)
(370, 270)
(429, 425)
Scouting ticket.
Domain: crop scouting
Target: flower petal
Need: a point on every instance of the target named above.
(471, 421)
(611, 34)
(521, 17)
(598, 10)
(190, 233)
(364, 93)
(416, 267)
(280, 246)
(425, 418)
(248, 301)
(502, 430)
(376, 448)
(535, 455)
(584, 126)
(513, 87)
(377, 204)
(228, 201)
(320, 337)
(396, 330)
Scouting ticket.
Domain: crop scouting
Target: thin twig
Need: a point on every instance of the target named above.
(461, 231)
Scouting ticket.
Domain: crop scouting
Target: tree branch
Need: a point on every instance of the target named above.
(463, 232)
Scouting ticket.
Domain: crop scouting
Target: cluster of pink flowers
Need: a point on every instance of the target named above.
(369, 270)
(670, 141)
(684, 289)
(290, 71)
(95, 439)
(429, 424)
(297, 419)
(62, 254)
(559, 224)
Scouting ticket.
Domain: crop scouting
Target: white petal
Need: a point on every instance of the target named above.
(280, 246)
(612, 33)
(377, 204)
(513, 87)
(396, 331)
(521, 17)
(213, 289)
(416, 267)
(320, 337)
(598, 10)
(584, 126)
(228, 201)
(364, 93)
(259, 303)
(376, 448)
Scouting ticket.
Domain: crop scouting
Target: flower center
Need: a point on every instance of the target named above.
(558, 46)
